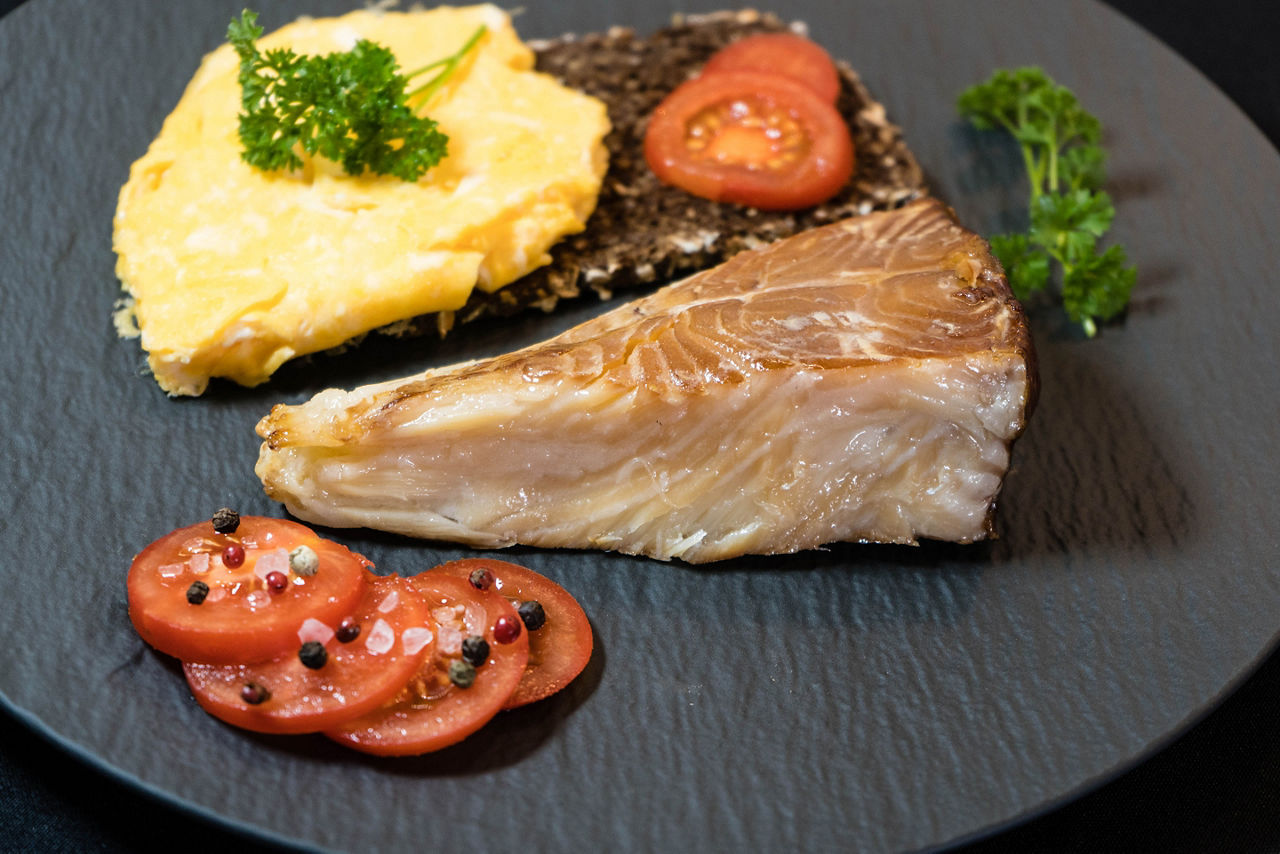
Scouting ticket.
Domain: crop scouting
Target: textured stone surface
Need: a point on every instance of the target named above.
(865, 698)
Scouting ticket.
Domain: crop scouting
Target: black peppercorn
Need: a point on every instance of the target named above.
(196, 592)
(475, 649)
(532, 615)
(462, 673)
(313, 655)
(226, 520)
(254, 694)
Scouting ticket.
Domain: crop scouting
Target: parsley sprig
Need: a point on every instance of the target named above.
(351, 108)
(1066, 167)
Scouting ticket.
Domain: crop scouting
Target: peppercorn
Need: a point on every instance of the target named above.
(304, 561)
(475, 649)
(233, 555)
(481, 579)
(348, 630)
(196, 592)
(532, 615)
(254, 694)
(312, 654)
(462, 673)
(226, 520)
(276, 581)
(506, 630)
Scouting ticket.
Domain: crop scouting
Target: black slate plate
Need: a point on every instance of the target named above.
(868, 698)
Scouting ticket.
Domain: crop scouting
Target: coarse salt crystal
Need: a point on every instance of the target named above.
(172, 570)
(450, 639)
(389, 602)
(474, 619)
(415, 639)
(199, 563)
(381, 637)
(446, 613)
(314, 630)
(258, 599)
(276, 560)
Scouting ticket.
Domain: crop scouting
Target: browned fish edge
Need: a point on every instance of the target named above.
(993, 284)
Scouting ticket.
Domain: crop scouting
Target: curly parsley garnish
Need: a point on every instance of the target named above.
(351, 108)
(1065, 164)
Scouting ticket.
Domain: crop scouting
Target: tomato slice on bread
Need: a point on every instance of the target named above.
(787, 54)
(335, 672)
(234, 598)
(434, 710)
(559, 648)
(750, 138)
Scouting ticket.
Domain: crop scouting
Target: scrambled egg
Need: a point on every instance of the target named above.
(231, 271)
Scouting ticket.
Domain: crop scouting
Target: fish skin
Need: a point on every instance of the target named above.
(863, 381)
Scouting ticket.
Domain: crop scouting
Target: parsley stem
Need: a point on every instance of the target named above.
(1051, 154)
(348, 107)
(1069, 213)
(1033, 170)
(447, 66)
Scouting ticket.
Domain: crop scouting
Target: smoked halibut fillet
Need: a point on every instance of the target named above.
(862, 381)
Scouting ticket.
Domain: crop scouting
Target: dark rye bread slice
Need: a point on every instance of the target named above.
(644, 232)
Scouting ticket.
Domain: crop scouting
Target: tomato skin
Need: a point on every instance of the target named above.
(740, 164)
(781, 53)
(240, 620)
(431, 713)
(357, 678)
(558, 651)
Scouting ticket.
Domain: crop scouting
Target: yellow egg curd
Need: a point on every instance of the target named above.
(230, 271)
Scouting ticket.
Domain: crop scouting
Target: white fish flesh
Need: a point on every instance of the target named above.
(862, 381)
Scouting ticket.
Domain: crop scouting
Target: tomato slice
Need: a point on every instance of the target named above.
(787, 54)
(560, 649)
(396, 634)
(240, 619)
(750, 138)
(432, 712)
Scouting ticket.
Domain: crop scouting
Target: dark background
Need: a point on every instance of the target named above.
(1217, 788)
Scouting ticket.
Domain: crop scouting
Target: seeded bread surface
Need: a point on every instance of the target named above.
(644, 232)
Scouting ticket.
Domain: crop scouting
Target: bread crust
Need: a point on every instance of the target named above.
(644, 232)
